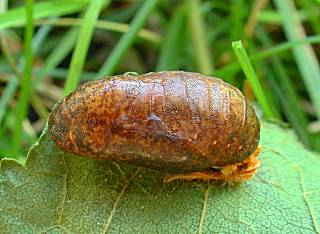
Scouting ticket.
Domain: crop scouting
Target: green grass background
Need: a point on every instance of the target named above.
(268, 49)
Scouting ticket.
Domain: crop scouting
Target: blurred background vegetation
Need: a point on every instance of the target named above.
(49, 46)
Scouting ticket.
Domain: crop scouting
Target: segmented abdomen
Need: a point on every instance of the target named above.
(171, 121)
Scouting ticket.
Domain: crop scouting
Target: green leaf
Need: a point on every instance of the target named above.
(59, 192)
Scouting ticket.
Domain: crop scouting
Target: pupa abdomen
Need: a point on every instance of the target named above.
(170, 121)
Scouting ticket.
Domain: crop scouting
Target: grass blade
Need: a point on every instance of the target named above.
(253, 79)
(289, 102)
(13, 82)
(126, 40)
(304, 55)
(256, 10)
(274, 50)
(40, 37)
(23, 101)
(83, 42)
(58, 73)
(312, 7)
(42, 9)
(101, 24)
(198, 37)
(170, 48)
(62, 49)
(237, 19)
(6, 96)
(284, 47)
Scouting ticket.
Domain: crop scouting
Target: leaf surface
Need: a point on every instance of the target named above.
(57, 192)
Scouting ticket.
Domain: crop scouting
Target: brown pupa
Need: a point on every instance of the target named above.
(187, 124)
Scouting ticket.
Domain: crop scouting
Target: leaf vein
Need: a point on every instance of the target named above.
(204, 209)
(113, 211)
(305, 196)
